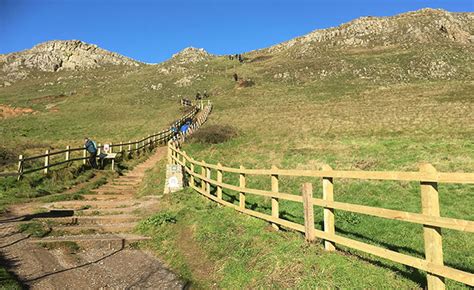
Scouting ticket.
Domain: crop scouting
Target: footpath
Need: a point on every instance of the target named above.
(90, 242)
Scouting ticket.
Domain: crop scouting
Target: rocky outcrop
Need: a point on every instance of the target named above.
(191, 55)
(58, 55)
(418, 27)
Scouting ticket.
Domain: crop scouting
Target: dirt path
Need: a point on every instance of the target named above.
(90, 244)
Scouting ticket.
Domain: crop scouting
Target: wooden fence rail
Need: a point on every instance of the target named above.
(150, 141)
(430, 218)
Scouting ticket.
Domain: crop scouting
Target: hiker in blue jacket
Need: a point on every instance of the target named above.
(91, 147)
(184, 128)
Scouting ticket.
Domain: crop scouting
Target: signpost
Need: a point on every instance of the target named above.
(174, 178)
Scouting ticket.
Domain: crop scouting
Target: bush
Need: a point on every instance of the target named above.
(214, 134)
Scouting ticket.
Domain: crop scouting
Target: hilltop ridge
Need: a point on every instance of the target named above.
(431, 32)
(423, 26)
(56, 55)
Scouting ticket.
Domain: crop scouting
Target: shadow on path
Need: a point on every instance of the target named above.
(75, 267)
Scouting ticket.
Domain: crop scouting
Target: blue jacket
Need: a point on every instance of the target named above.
(184, 128)
(91, 147)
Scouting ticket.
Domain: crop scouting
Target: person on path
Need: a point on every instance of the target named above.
(91, 147)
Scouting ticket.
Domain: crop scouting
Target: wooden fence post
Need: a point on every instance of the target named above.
(121, 147)
(99, 150)
(329, 223)
(208, 184)
(129, 146)
(243, 184)
(111, 147)
(308, 212)
(184, 160)
(20, 167)
(46, 162)
(219, 179)
(170, 159)
(84, 155)
(136, 145)
(203, 173)
(432, 235)
(275, 203)
(68, 152)
(191, 178)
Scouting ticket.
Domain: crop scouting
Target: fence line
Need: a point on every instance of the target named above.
(123, 147)
(430, 218)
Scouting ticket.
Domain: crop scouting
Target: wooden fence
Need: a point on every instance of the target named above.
(430, 217)
(26, 164)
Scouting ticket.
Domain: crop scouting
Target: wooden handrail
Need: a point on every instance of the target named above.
(441, 177)
(444, 222)
(162, 136)
(428, 180)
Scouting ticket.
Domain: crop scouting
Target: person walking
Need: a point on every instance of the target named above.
(91, 147)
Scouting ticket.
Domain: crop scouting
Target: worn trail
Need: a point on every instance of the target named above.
(89, 242)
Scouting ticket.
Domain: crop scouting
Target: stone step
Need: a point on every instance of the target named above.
(114, 191)
(91, 204)
(102, 241)
(103, 228)
(125, 182)
(119, 211)
(91, 220)
(116, 187)
(107, 196)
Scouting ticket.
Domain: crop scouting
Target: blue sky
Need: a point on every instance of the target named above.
(151, 31)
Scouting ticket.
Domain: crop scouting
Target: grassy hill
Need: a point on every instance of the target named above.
(373, 94)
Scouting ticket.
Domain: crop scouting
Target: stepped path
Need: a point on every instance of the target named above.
(90, 243)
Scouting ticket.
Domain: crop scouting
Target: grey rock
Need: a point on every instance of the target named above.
(59, 55)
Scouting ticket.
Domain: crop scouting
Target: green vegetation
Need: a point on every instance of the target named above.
(34, 229)
(210, 244)
(368, 108)
(8, 281)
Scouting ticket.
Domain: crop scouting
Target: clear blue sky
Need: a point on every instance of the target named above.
(151, 31)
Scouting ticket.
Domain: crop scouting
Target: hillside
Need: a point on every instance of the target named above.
(372, 94)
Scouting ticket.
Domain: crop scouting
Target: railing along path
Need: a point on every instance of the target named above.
(29, 164)
(429, 218)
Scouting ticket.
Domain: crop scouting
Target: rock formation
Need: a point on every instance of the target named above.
(58, 55)
(191, 55)
(418, 27)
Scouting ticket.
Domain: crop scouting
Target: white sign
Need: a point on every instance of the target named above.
(106, 148)
(173, 182)
(174, 178)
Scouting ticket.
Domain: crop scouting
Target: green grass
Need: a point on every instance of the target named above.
(34, 229)
(8, 281)
(38, 185)
(351, 109)
(246, 253)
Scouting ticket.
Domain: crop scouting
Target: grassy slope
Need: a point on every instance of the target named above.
(354, 123)
(382, 119)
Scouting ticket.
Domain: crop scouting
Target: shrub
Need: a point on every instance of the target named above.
(214, 134)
